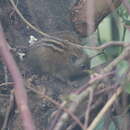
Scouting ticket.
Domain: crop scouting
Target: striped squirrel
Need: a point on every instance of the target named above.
(57, 59)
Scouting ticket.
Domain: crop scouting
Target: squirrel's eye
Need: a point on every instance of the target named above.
(83, 67)
(73, 59)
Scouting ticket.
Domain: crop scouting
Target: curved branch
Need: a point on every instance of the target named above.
(20, 92)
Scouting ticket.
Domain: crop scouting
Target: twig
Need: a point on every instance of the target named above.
(105, 109)
(98, 77)
(25, 21)
(98, 101)
(20, 92)
(103, 46)
(55, 120)
(10, 110)
(7, 83)
(88, 108)
(74, 104)
(57, 104)
(109, 67)
(105, 89)
(72, 107)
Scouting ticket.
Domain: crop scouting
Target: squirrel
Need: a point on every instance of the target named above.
(58, 59)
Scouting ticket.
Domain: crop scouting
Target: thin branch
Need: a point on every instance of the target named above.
(57, 104)
(88, 84)
(20, 92)
(87, 114)
(105, 109)
(9, 111)
(105, 89)
(109, 67)
(26, 22)
(56, 118)
(108, 44)
(98, 101)
(73, 105)
(103, 46)
(7, 83)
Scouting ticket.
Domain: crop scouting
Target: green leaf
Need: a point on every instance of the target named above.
(112, 52)
(98, 60)
(112, 125)
(127, 22)
(104, 30)
(122, 68)
(127, 87)
(91, 52)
